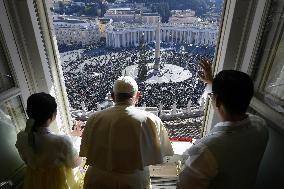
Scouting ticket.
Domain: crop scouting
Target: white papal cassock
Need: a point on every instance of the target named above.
(119, 143)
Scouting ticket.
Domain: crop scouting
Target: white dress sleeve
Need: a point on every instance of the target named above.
(199, 168)
(72, 158)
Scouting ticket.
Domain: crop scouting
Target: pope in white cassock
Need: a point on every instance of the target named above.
(122, 141)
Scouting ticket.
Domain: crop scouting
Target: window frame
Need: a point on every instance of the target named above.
(34, 58)
(13, 58)
(264, 65)
(53, 57)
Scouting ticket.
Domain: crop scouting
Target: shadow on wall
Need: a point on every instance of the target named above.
(271, 172)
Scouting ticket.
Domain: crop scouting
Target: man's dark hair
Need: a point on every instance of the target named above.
(41, 107)
(234, 89)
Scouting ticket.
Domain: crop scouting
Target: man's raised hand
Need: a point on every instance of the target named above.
(206, 73)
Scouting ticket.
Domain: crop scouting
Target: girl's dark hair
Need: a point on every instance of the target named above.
(41, 107)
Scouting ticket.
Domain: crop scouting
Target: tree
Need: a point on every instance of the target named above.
(164, 11)
(90, 11)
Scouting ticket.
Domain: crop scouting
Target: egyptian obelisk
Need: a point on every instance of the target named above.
(157, 47)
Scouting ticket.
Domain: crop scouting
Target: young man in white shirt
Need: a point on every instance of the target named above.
(229, 156)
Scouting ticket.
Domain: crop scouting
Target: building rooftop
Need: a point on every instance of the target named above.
(121, 9)
(70, 21)
(150, 14)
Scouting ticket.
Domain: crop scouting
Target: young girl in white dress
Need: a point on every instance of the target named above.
(49, 157)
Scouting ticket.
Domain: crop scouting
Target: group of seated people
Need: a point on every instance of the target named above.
(119, 143)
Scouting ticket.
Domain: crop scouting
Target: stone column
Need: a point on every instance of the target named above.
(115, 40)
(199, 38)
(123, 39)
(130, 39)
(107, 39)
(186, 36)
(146, 36)
(177, 36)
(127, 39)
(168, 36)
(135, 38)
(196, 38)
(207, 38)
(119, 40)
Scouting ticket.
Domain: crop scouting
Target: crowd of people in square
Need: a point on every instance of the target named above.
(90, 75)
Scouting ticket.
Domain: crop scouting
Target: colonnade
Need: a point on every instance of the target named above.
(187, 35)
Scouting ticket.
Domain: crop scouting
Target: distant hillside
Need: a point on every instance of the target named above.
(199, 6)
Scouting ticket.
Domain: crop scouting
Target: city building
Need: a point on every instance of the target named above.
(126, 35)
(183, 17)
(150, 18)
(131, 16)
(76, 32)
(140, 6)
(127, 15)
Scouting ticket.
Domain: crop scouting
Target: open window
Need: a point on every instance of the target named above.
(269, 68)
(158, 43)
(98, 41)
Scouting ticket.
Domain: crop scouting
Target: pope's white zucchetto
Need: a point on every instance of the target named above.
(125, 84)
